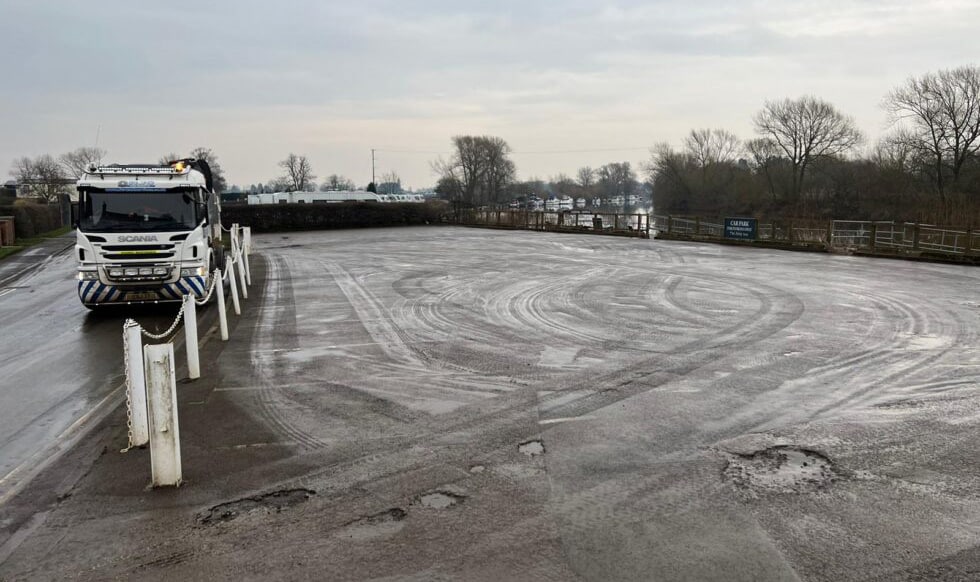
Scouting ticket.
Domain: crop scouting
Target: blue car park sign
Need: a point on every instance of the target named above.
(742, 228)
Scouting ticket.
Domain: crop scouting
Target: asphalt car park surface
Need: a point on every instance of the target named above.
(444, 403)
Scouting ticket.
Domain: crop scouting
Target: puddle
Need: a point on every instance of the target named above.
(373, 526)
(440, 500)
(531, 448)
(267, 503)
(781, 469)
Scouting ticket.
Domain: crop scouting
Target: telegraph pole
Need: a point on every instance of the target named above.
(372, 169)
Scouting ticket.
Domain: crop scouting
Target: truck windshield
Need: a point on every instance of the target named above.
(108, 211)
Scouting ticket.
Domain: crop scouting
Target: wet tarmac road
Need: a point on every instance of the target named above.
(59, 363)
(442, 404)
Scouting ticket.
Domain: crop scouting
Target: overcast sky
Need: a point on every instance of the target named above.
(257, 80)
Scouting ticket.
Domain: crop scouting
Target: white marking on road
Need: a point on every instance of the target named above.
(566, 419)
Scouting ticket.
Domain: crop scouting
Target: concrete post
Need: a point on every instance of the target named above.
(915, 237)
(219, 288)
(190, 338)
(136, 386)
(230, 269)
(873, 236)
(670, 224)
(968, 246)
(247, 236)
(161, 384)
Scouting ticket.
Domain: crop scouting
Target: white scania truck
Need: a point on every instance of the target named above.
(147, 233)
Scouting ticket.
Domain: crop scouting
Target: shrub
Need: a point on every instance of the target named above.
(31, 218)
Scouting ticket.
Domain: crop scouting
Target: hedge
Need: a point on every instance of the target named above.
(32, 219)
(322, 216)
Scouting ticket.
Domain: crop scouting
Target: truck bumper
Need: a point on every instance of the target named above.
(98, 293)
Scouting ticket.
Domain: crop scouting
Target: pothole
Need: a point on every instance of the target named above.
(531, 448)
(266, 503)
(372, 526)
(781, 468)
(440, 499)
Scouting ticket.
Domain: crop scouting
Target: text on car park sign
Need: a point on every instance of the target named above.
(741, 228)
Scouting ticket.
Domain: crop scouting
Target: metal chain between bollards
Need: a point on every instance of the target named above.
(169, 331)
(129, 404)
(207, 297)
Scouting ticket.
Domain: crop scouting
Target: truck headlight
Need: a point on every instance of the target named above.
(161, 271)
(115, 272)
(88, 276)
(195, 272)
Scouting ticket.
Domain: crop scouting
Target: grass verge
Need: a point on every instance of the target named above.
(29, 242)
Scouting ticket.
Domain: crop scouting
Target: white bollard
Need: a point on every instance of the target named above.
(136, 386)
(230, 269)
(161, 384)
(248, 270)
(190, 338)
(241, 274)
(219, 288)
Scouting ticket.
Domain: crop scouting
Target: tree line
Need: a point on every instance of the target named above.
(46, 177)
(480, 172)
(805, 160)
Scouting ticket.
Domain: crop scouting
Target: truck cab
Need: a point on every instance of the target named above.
(147, 233)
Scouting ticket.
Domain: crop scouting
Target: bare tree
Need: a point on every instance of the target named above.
(805, 129)
(217, 173)
(940, 115)
(500, 169)
(168, 158)
(766, 156)
(563, 185)
(586, 177)
(299, 173)
(77, 161)
(42, 177)
(391, 183)
(336, 182)
(480, 166)
(712, 146)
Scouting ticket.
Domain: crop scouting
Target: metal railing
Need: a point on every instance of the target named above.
(568, 221)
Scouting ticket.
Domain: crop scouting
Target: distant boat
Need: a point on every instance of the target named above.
(580, 203)
(565, 203)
